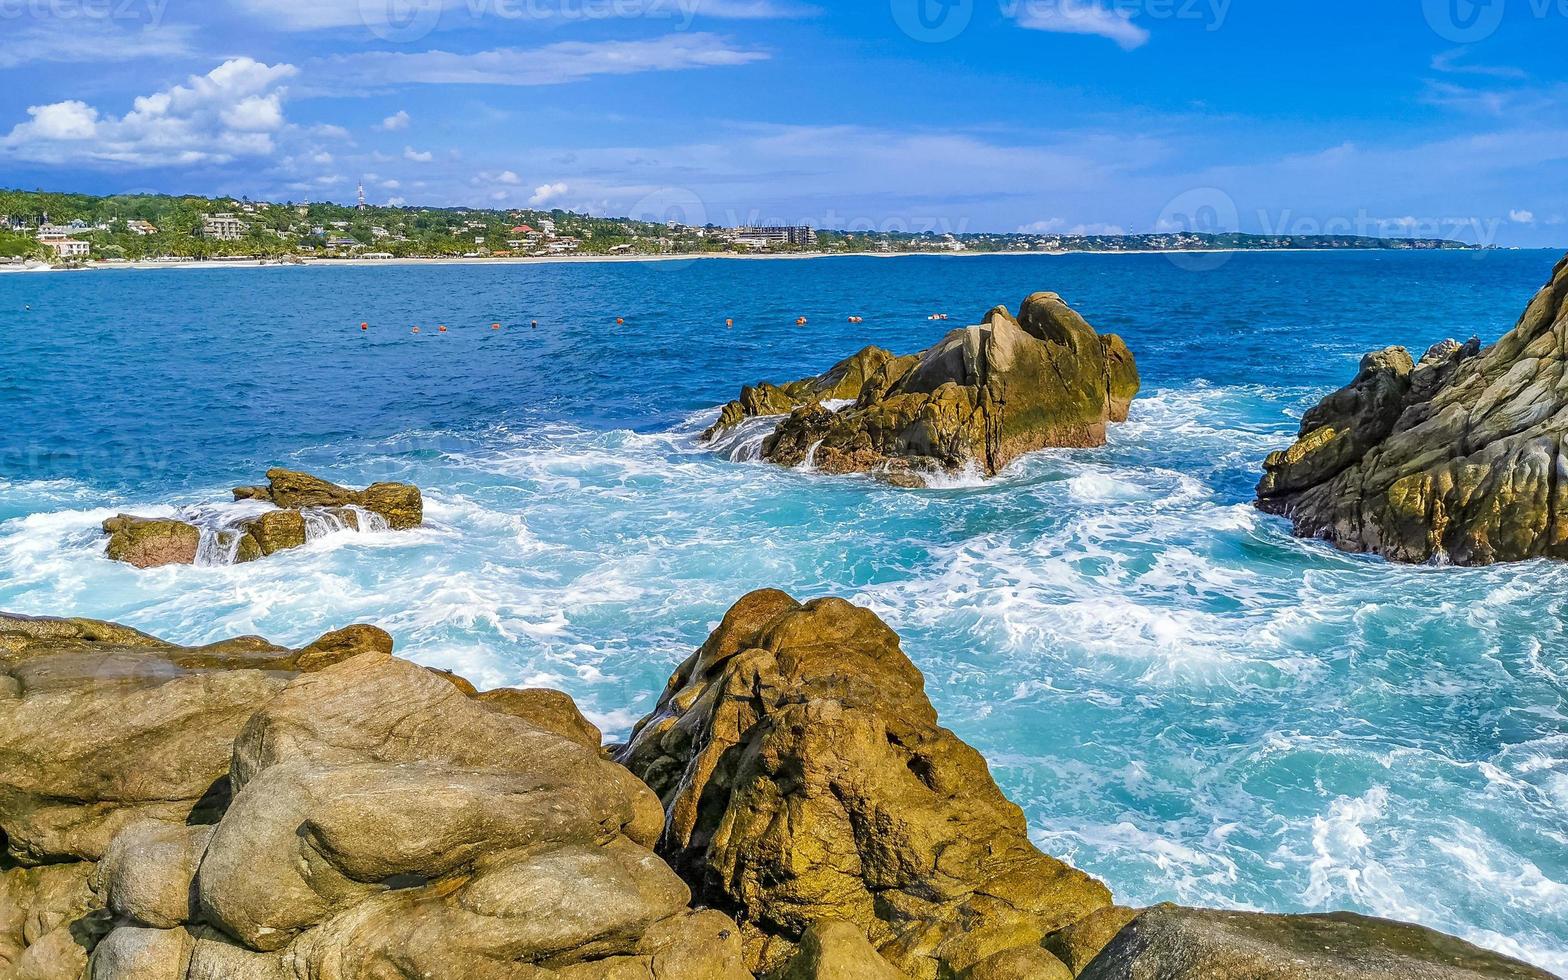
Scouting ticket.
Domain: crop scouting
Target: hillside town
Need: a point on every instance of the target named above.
(75, 229)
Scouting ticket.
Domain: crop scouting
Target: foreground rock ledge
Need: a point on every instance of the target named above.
(150, 542)
(244, 811)
(1455, 458)
(984, 396)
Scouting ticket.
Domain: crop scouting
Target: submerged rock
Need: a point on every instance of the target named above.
(982, 397)
(805, 779)
(1171, 943)
(1456, 458)
(301, 499)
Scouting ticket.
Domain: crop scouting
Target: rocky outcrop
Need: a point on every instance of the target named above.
(1171, 943)
(984, 396)
(805, 779)
(301, 500)
(1455, 458)
(245, 811)
(248, 812)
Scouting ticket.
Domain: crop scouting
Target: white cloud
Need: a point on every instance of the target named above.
(391, 185)
(396, 121)
(545, 193)
(1083, 17)
(1522, 217)
(553, 64)
(400, 18)
(91, 39)
(329, 131)
(233, 111)
(417, 156)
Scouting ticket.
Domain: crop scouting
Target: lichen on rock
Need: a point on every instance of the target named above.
(1456, 458)
(982, 397)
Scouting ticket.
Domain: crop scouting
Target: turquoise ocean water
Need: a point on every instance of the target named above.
(1185, 700)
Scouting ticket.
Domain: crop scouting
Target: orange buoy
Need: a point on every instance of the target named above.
(442, 329)
(416, 330)
(730, 323)
(364, 326)
(495, 326)
(620, 321)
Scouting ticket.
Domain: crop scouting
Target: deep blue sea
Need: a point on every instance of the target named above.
(1186, 701)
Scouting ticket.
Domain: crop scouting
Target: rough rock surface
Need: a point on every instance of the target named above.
(1170, 943)
(984, 396)
(805, 779)
(1457, 457)
(244, 811)
(152, 542)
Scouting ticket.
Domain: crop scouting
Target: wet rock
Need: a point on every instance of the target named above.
(300, 499)
(1171, 943)
(982, 397)
(150, 542)
(1455, 458)
(805, 779)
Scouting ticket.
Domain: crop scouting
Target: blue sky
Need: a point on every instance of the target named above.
(1431, 117)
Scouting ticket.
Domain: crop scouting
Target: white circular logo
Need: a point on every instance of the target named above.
(1465, 21)
(400, 21)
(1202, 211)
(933, 21)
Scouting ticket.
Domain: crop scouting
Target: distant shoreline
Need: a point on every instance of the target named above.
(153, 265)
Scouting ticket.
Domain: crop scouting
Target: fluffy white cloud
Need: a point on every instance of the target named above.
(398, 120)
(507, 177)
(553, 64)
(545, 193)
(233, 111)
(1522, 217)
(417, 156)
(1083, 17)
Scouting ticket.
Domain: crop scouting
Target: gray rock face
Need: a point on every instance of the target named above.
(1457, 457)
(1170, 943)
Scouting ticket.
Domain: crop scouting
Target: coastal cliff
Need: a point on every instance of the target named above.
(985, 395)
(1457, 457)
(791, 810)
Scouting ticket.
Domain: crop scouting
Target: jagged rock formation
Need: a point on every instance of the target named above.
(247, 812)
(1171, 943)
(1457, 457)
(244, 811)
(984, 396)
(810, 793)
(805, 779)
(300, 499)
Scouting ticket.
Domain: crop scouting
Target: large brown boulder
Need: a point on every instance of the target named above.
(399, 504)
(244, 811)
(1171, 943)
(151, 542)
(982, 397)
(805, 779)
(1457, 457)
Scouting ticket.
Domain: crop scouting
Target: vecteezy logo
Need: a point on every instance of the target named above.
(1203, 211)
(1465, 21)
(400, 21)
(933, 21)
